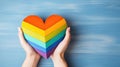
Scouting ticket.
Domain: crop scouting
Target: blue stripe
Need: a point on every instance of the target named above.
(43, 49)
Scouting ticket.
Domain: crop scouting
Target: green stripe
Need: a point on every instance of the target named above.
(48, 43)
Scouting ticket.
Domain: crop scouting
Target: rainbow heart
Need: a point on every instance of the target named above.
(44, 37)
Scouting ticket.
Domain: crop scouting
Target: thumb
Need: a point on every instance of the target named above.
(64, 44)
(21, 36)
(22, 39)
(67, 36)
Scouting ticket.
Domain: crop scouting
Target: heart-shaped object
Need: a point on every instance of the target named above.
(44, 36)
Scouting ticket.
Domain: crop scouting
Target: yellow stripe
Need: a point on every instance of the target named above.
(55, 26)
(32, 28)
(54, 33)
(44, 38)
(42, 32)
(33, 34)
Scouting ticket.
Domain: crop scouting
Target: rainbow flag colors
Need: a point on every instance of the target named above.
(44, 36)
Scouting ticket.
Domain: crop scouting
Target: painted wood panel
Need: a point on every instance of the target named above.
(95, 29)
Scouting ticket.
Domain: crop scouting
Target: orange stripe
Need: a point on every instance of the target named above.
(38, 22)
(51, 20)
(35, 20)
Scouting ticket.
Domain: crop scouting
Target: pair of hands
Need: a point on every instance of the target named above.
(32, 57)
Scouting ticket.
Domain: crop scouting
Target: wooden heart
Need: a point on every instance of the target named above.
(44, 36)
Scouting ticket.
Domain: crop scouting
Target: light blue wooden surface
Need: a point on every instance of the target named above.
(95, 28)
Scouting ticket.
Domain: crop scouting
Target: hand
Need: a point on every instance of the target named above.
(32, 57)
(58, 55)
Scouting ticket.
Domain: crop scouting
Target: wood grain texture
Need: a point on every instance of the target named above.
(94, 26)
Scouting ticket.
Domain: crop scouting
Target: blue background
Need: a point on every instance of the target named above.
(94, 26)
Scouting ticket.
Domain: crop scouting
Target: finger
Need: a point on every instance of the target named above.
(63, 45)
(68, 35)
(21, 37)
(24, 44)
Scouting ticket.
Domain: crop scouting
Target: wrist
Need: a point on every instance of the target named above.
(57, 56)
(31, 60)
(59, 60)
(33, 57)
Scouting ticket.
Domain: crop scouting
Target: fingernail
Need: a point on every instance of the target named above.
(69, 28)
(18, 28)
